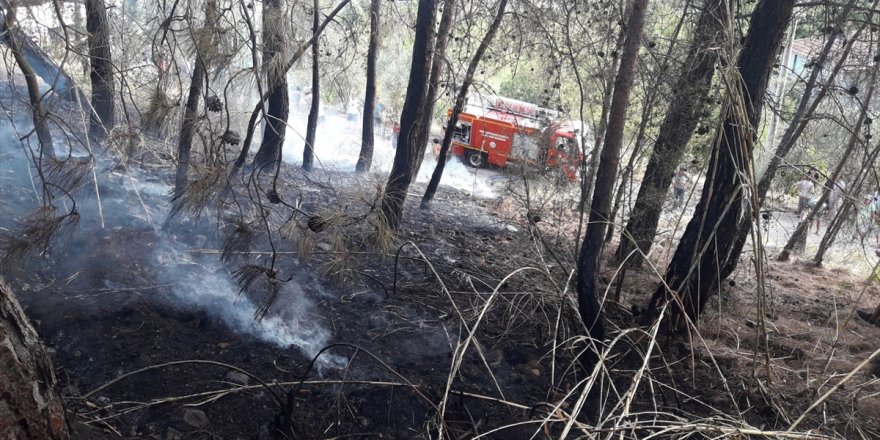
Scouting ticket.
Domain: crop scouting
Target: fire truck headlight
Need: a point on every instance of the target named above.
(492, 145)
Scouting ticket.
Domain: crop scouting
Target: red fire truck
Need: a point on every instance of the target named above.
(499, 131)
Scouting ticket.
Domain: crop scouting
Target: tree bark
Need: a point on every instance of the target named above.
(315, 105)
(407, 158)
(269, 154)
(101, 73)
(40, 114)
(694, 271)
(460, 101)
(187, 131)
(600, 207)
(800, 233)
(365, 159)
(29, 406)
(689, 101)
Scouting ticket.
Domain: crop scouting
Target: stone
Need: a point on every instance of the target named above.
(237, 377)
(173, 434)
(194, 418)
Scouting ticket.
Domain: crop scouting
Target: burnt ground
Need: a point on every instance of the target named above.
(152, 338)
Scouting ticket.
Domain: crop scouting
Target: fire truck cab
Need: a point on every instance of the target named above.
(499, 131)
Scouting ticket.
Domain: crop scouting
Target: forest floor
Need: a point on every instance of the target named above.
(463, 323)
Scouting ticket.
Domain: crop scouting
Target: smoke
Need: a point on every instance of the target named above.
(338, 145)
(135, 200)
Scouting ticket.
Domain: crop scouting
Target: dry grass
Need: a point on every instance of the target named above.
(35, 233)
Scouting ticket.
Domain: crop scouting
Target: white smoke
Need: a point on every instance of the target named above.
(338, 144)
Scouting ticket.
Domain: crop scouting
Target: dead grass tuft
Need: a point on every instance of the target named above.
(35, 233)
(207, 187)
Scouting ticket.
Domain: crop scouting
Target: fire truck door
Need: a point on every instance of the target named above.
(462, 132)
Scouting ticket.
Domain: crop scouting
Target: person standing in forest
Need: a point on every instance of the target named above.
(352, 111)
(805, 189)
(837, 189)
(378, 111)
(682, 178)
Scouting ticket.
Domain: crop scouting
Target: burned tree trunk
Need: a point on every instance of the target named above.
(315, 107)
(269, 153)
(438, 60)
(409, 153)
(678, 126)
(29, 407)
(187, 131)
(365, 159)
(101, 73)
(694, 271)
(600, 207)
(40, 114)
(460, 101)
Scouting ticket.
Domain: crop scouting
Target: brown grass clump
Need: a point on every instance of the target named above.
(239, 241)
(69, 173)
(249, 277)
(35, 233)
(207, 187)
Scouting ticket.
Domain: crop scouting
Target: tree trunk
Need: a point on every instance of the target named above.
(600, 207)
(693, 272)
(438, 60)
(29, 406)
(803, 114)
(187, 131)
(460, 101)
(800, 233)
(315, 106)
(689, 101)
(40, 114)
(654, 90)
(269, 154)
(101, 73)
(409, 153)
(365, 160)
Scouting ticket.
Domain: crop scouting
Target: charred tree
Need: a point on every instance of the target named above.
(101, 73)
(315, 107)
(603, 192)
(187, 131)
(437, 63)
(689, 101)
(269, 154)
(39, 112)
(365, 159)
(410, 152)
(29, 407)
(460, 101)
(694, 271)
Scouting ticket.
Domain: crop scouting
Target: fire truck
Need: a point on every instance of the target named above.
(498, 131)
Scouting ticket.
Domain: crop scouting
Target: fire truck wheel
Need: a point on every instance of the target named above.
(475, 159)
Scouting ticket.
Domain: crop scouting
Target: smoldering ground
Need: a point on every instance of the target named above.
(120, 229)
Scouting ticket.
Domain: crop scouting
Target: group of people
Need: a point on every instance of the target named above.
(383, 118)
(809, 191)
